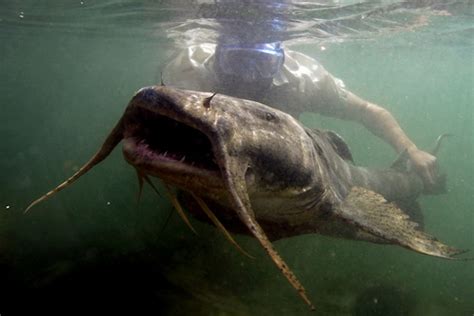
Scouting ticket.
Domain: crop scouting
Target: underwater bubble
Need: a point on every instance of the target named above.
(21, 15)
(383, 300)
(108, 203)
(7, 207)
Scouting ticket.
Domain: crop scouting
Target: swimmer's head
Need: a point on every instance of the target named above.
(251, 63)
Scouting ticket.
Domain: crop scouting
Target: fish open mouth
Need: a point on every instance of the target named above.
(157, 142)
(182, 154)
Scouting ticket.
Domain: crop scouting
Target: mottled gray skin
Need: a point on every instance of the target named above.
(261, 172)
(293, 175)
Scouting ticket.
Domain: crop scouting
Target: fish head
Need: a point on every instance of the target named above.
(200, 143)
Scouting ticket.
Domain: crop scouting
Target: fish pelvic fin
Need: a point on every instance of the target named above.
(372, 213)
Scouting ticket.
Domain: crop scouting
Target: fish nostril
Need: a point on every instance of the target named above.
(147, 95)
(270, 116)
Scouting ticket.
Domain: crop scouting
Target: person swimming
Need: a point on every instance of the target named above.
(250, 61)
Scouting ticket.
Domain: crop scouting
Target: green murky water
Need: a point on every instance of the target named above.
(68, 70)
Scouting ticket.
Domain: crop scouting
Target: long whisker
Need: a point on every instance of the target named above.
(219, 225)
(167, 220)
(234, 176)
(111, 141)
(175, 203)
(140, 184)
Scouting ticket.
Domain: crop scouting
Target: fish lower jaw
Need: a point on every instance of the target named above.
(171, 169)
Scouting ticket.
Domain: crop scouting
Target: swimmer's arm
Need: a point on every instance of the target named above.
(377, 120)
(382, 123)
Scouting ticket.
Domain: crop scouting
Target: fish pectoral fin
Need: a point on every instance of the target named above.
(373, 214)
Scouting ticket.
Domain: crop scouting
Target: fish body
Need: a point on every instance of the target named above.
(262, 173)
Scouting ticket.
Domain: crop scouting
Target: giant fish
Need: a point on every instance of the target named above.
(252, 169)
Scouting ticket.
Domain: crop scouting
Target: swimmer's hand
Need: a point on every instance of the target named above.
(424, 164)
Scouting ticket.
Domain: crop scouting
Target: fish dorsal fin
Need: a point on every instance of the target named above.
(339, 145)
(335, 140)
(372, 213)
(402, 162)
